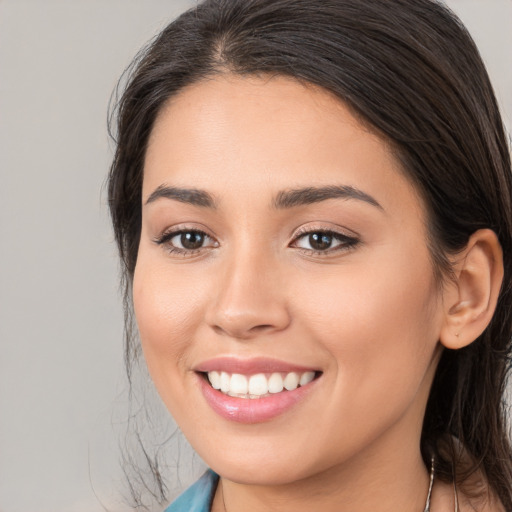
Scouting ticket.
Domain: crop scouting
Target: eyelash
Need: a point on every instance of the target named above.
(345, 242)
(167, 236)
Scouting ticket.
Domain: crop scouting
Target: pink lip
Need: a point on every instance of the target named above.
(244, 410)
(249, 366)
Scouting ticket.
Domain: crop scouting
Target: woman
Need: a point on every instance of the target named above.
(312, 203)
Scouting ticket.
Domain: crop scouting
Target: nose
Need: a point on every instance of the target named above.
(251, 299)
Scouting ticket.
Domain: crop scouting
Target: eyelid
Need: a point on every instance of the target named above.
(169, 235)
(326, 227)
(184, 227)
(165, 237)
(348, 238)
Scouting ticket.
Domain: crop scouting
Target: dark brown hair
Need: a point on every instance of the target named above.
(410, 70)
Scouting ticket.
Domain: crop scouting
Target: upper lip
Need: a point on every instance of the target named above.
(250, 366)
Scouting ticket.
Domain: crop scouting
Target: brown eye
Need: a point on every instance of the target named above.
(324, 242)
(191, 240)
(186, 241)
(320, 241)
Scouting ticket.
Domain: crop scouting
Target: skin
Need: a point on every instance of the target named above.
(369, 316)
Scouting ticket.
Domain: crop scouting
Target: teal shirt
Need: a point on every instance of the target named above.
(198, 497)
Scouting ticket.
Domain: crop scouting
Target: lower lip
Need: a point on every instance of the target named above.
(256, 410)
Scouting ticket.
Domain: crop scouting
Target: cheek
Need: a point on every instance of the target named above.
(166, 307)
(379, 321)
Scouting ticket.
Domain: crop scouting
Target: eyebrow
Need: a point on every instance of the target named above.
(283, 200)
(191, 196)
(309, 195)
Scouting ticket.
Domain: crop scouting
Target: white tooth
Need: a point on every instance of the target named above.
(306, 378)
(258, 385)
(238, 384)
(224, 382)
(291, 381)
(214, 378)
(275, 383)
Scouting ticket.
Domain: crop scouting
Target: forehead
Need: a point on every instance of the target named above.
(275, 109)
(261, 133)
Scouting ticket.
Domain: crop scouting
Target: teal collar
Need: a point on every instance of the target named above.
(198, 497)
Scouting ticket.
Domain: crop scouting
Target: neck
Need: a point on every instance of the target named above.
(363, 485)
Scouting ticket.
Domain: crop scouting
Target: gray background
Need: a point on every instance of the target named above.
(63, 401)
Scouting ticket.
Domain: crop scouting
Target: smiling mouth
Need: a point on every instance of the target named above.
(259, 385)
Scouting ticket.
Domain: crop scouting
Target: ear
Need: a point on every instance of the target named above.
(470, 301)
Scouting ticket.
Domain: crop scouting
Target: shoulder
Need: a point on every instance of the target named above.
(472, 495)
(198, 497)
(486, 502)
(478, 495)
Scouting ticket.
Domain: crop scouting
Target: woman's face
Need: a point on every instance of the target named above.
(281, 243)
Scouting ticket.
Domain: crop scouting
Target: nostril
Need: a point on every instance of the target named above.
(243, 311)
(218, 330)
(242, 331)
(260, 328)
